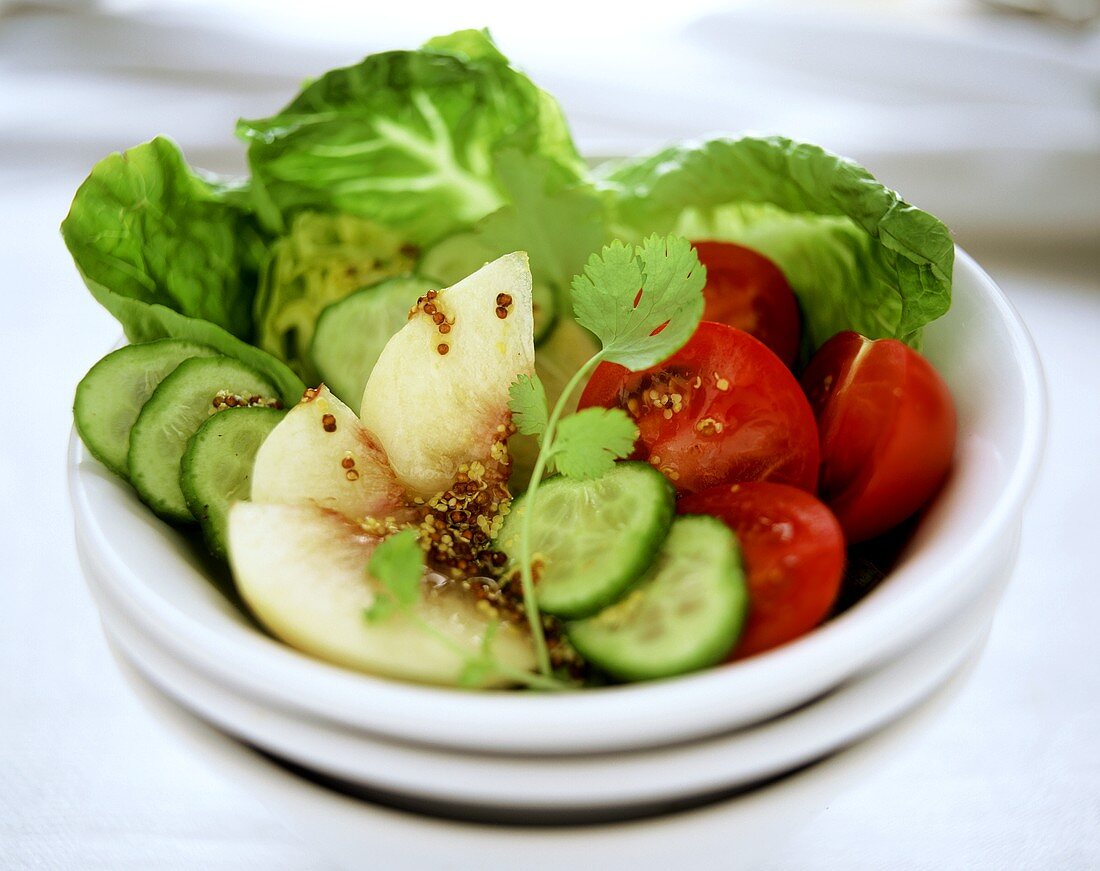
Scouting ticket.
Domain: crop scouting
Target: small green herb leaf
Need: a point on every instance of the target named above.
(475, 672)
(527, 399)
(643, 302)
(480, 668)
(587, 443)
(398, 564)
(380, 609)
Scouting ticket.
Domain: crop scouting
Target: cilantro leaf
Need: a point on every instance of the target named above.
(644, 302)
(475, 672)
(587, 443)
(398, 565)
(380, 609)
(527, 399)
(480, 668)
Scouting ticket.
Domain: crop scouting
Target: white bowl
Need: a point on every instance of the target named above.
(731, 835)
(617, 785)
(984, 353)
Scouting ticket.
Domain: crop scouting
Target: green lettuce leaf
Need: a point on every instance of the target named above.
(145, 227)
(858, 256)
(323, 259)
(555, 138)
(404, 138)
(172, 254)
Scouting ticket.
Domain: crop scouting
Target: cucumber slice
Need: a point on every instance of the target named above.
(180, 405)
(593, 538)
(216, 469)
(109, 398)
(685, 614)
(351, 333)
(452, 259)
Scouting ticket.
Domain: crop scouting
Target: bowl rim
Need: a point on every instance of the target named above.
(852, 712)
(611, 718)
(287, 792)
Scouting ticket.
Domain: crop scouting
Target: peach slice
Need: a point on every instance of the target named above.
(321, 453)
(438, 395)
(302, 570)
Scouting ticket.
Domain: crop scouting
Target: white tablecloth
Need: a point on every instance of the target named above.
(1010, 777)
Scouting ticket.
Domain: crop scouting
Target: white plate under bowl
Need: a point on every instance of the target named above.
(608, 786)
(987, 358)
(732, 835)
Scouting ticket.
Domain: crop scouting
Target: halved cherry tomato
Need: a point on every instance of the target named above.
(887, 427)
(721, 409)
(746, 290)
(793, 552)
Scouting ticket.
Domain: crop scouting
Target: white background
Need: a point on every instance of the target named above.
(990, 122)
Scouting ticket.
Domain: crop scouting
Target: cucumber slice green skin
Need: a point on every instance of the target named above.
(595, 538)
(453, 258)
(685, 614)
(177, 408)
(110, 397)
(216, 469)
(351, 333)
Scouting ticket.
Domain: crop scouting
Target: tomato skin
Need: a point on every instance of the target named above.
(740, 415)
(746, 290)
(793, 551)
(888, 429)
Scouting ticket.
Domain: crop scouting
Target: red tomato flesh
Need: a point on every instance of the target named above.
(793, 552)
(746, 290)
(722, 409)
(887, 425)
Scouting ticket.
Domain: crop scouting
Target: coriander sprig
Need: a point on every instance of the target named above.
(643, 303)
(397, 564)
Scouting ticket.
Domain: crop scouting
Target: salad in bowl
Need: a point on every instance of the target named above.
(456, 408)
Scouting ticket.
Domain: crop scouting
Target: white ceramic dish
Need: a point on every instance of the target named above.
(982, 350)
(731, 835)
(619, 784)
